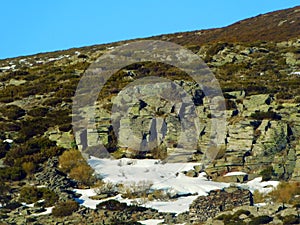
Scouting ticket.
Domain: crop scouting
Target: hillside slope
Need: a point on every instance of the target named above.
(256, 61)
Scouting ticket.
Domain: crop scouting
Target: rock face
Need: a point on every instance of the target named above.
(260, 132)
(205, 207)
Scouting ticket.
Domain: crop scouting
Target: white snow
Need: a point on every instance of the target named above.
(86, 201)
(7, 67)
(9, 141)
(151, 222)
(28, 205)
(161, 176)
(260, 204)
(48, 211)
(166, 176)
(295, 73)
(180, 205)
(236, 173)
(262, 186)
(58, 58)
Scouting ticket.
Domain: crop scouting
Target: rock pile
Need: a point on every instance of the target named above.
(205, 207)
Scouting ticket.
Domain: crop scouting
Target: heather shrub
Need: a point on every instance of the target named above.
(73, 163)
(12, 112)
(260, 220)
(32, 194)
(285, 192)
(267, 173)
(112, 205)
(12, 174)
(265, 115)
(65, 208)
(38, 112)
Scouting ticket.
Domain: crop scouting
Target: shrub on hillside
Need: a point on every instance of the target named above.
(12, 174)
(29, 168)
(267, 173)
(112, 205)
(65, 208)
(285, 192)
(82, 173)
(31, 194)
(38, 112)
(73, 163)
(290, 219)
(4, 147)
(12, 112)
(265, 115)
(65, 127)
(261, 220)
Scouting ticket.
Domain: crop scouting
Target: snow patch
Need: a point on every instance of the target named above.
(295, 73)
(262, 186)
(151, 222)
(9, 141)
(237, 173)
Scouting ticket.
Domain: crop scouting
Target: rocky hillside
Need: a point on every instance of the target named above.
(256, 61)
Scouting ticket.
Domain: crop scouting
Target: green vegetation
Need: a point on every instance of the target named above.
(32, 194)
(73, 163)
(63, 209)
(231, 219)
(261, 220)
(267, 173)
(285, 193)
(265, 115)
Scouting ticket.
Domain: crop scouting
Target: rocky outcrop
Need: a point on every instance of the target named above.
(205, 207)
(260, 132)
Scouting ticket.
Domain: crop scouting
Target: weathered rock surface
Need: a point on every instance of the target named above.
(205, 207)
(258, 134)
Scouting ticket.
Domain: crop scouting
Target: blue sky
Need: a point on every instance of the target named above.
(31, 26)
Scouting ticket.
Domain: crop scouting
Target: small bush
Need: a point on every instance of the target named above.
(29, 194)
(82, 173)
(106, 188)
(32, 194)
(112, 205)
(242, 212)
(285, 192)
(230, 104)
(267, 173)
(261, 220)
(38, 112)
(70, 159)
(265, 115)
(65, 208)
(73, 163)
(290, 219)
(12, 205)
(4, 147)
(258, 197)
(29, 168)
(136, 189)
(65, 127)
(12, 174)
(12, 112)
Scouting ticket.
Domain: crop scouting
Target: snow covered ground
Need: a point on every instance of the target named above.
(168, 176)
(162, 176)
(151, 222)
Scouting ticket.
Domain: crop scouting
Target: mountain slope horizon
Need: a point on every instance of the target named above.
(281, 25)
